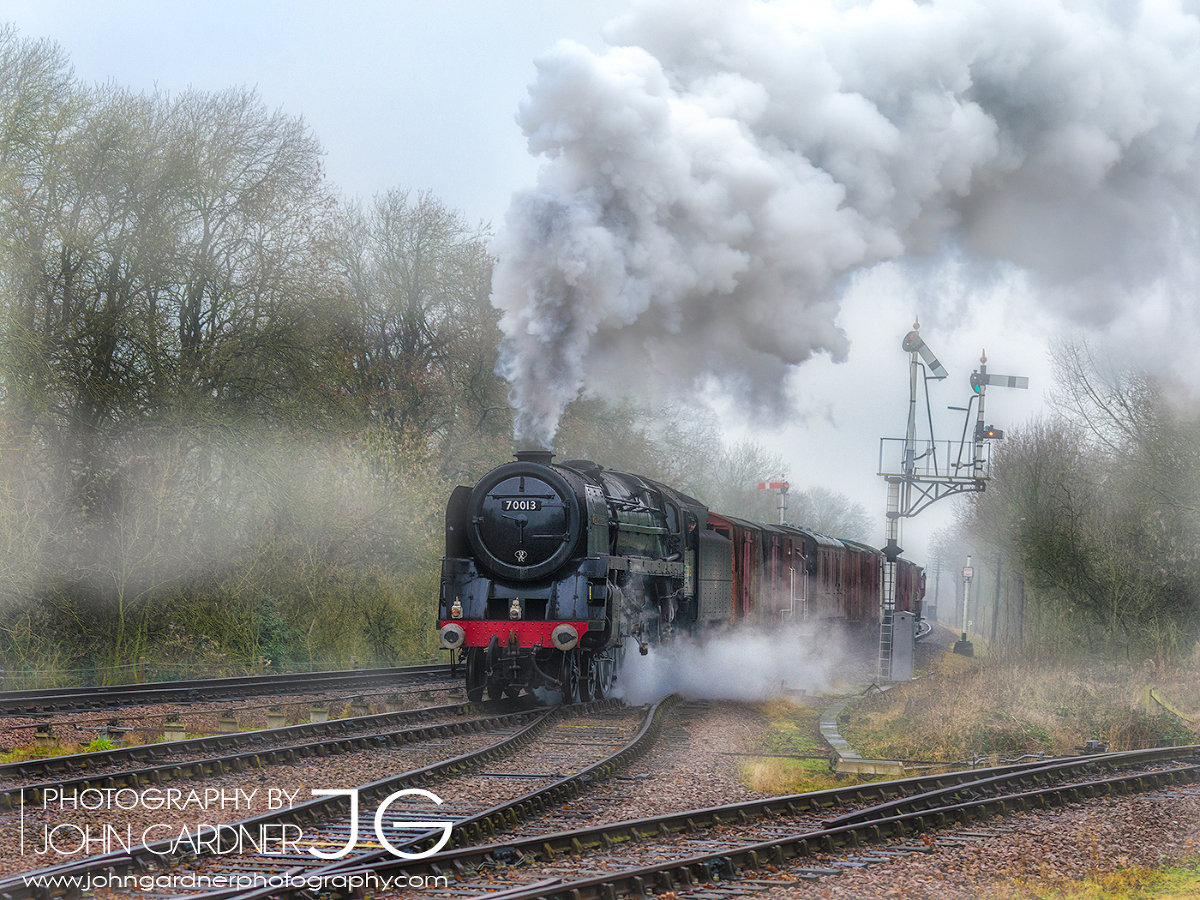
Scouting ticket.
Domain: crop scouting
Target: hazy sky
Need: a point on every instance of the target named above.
(417, 94)
(423, 94)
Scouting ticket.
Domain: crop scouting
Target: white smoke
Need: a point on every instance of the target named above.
(747, 664)
(710, 178)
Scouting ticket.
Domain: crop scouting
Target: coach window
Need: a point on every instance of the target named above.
(672, 518)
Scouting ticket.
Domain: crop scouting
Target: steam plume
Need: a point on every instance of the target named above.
(716, 668)
(711, 179)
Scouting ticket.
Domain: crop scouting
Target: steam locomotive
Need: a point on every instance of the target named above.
(553, 570)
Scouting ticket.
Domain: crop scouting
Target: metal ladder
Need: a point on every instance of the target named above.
(887, 608)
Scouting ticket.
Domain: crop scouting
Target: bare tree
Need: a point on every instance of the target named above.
(830, 512)
(419, 278)
(164, 278)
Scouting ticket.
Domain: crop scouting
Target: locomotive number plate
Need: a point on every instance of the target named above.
(521, 505)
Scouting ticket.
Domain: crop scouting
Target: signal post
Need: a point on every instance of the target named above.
(918, 480)
(781, 486)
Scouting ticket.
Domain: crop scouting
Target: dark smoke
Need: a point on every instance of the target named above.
(710, 178)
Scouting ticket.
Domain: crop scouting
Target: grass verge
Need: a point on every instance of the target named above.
(969, 708)
(794, 732)
(1135, 883)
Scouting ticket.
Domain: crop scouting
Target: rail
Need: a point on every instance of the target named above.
(911, 806)
(39, 701)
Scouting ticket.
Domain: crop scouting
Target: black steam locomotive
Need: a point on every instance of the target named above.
(551, 571)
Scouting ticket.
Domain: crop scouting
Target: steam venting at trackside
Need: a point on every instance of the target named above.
(714, 177)
(739, 664)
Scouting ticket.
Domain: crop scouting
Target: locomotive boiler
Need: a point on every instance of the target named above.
(552, 571)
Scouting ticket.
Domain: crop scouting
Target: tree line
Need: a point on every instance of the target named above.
(1087, 540)
(232, 403)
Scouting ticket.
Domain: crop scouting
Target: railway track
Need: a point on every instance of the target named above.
(510, 823)
(209, 757)
(738, 848)
(40, 702)
(578, 744)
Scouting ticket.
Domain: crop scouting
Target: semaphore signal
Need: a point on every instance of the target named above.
(782, 487)
(914, 344)
(980, 379)
(921, 477)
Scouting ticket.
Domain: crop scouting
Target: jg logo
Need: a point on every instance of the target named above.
(380, 825)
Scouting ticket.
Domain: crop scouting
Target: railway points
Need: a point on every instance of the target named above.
(540, 843)
(533, 726)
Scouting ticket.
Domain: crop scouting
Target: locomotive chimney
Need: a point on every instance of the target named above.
(542, 457)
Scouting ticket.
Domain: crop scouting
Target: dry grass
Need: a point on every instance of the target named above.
(1136, 883)
(788, 776)
(794, 729)
(32, 752)
(967, 708)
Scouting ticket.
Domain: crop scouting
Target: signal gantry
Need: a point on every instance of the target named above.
(917, 480)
